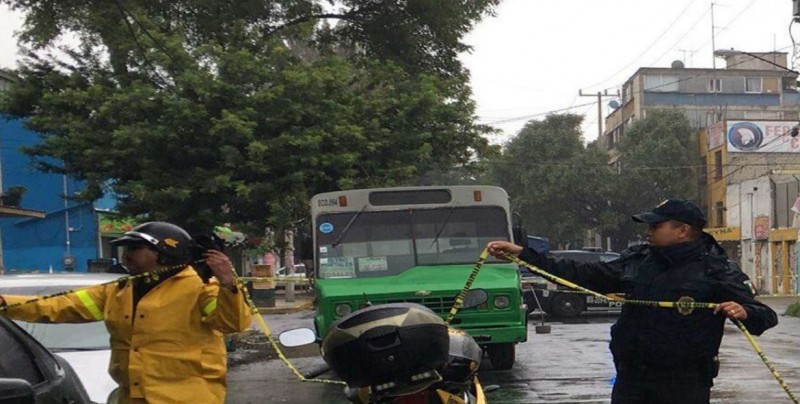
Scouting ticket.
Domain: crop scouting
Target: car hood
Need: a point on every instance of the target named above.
(92, 369)
(444, 278)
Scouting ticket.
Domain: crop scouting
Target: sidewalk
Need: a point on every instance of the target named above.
(778, 303)
(303, 300)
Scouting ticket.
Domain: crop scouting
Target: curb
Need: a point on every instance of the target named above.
(297, 306)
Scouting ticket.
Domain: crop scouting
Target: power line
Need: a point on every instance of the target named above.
(526, 117)
(689, 31)
(730, 22)
(701, 75)
(647, 48)
(649, 168)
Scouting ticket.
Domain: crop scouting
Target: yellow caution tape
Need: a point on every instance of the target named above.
(268, 333)
(151, 274)
(155, 274)
(277, 279)
(470, 279)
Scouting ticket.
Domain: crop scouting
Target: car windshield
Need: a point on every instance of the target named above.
(69, 337)
(586, 256)
(387, 243)
(62, 337)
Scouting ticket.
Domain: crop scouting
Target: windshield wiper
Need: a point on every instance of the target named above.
(446, 220)
(346, 228)
(96, 348)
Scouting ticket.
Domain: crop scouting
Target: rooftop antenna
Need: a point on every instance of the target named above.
(713, 45)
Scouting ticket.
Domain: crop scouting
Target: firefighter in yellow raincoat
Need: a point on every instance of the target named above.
(166, 330)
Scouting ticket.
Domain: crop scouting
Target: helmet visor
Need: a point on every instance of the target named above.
(134, 237)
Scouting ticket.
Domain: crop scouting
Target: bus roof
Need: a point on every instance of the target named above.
(422, 197)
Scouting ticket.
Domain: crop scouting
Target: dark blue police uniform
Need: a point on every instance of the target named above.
(661, 355)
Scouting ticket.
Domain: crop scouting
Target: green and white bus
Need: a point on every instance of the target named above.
(418, 244)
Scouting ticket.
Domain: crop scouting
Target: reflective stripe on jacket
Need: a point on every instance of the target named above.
(173, 350)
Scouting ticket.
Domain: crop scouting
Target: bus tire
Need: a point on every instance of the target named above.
(566, 305)
(502, 355)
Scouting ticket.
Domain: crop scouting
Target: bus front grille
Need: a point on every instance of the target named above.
(437, 304)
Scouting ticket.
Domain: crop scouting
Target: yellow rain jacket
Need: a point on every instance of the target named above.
(170, 349)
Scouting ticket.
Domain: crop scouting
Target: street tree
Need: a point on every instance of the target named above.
(204, 112)
(656, 162)
(557, 184)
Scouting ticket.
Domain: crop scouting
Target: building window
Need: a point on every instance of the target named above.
(752, 84)
(627, 92)
(661, 83)
(718, 164)
(719, 214)
(714, 86)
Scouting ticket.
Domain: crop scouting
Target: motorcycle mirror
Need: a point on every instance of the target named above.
(297, 337)
(113, 397)
(16, 391)
(474, 298)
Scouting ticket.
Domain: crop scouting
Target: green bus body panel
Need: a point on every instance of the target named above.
(435, 287)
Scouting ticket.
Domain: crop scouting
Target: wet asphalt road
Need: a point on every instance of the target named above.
(571, 364)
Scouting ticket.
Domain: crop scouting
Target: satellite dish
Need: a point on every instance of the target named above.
(613, 104)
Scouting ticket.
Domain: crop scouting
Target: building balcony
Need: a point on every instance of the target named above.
(716, 99)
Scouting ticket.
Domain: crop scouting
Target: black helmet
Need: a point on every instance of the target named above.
(392, 348)
(464, 359)
(172, 242)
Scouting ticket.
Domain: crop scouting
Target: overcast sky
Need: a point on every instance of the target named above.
(535, 55)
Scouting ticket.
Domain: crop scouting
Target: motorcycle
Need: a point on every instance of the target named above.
(401, 353)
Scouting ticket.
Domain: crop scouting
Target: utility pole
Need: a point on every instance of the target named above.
(599, 96)
(289, 262)
(713, 45)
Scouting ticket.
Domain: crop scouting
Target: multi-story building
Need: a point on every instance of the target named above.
(744, 114)
(53, 231)
(752, 86)
(752, 197)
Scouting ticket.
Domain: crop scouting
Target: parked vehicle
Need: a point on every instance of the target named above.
(29, 373)
(418, 245)
(560, 301)
(86, 346)
(401, 353)
(299, 271)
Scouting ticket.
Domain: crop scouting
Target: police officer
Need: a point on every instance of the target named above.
(663, 355)
(166, 329)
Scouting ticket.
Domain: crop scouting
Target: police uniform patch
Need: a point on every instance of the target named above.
(171, 242)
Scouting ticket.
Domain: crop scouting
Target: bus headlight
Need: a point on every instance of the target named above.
(343, 309)
(501, 302)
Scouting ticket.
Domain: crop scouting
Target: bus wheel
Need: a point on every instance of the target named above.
(501, 355)
(567, 305)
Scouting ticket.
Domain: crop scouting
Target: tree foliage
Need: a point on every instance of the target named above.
(657, 161)
(556, 184)
(210, 111)
(562, 188)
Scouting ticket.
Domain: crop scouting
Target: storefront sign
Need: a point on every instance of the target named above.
(116, 225)
(761, 228)
(762, 137)
(725, 233)
(716, 135)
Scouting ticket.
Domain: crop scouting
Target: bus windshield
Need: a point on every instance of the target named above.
(383, 243)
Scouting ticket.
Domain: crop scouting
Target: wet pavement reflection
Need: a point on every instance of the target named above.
(571, 364)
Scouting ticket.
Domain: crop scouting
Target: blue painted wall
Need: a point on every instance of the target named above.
(38, 244)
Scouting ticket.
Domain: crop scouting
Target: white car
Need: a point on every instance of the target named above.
(86, 347)
(299, 271)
